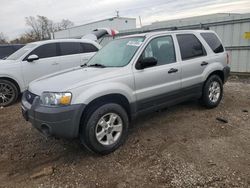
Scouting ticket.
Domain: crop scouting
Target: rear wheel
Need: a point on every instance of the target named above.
(105, 129)
(212, 91)
(8, 93)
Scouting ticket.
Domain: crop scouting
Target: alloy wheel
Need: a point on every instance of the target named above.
(7, 94)
(109, 129)
(214, 91)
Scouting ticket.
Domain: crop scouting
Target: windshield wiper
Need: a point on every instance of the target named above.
(97, 65)
(84, 65)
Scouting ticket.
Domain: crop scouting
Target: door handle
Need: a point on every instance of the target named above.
(204, 63)
(172, 70)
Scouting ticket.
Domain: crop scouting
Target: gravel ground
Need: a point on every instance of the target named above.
(184, 146)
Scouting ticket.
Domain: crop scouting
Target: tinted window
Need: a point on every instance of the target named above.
(213, 41)
(70, 48)
(161, 48)
(45, 51)
(190, 46)
(6, 51)
(87, 48)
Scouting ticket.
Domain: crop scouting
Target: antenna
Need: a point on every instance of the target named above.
(117, 13)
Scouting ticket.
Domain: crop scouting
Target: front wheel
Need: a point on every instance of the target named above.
(8, 93)
(212, 92)
(106, 128)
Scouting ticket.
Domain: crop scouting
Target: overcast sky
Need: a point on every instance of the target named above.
(13, 12)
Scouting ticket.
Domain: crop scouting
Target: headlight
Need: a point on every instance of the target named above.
(56, 99)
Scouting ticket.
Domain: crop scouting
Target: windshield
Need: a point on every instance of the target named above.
(19, 53)
(117, 53)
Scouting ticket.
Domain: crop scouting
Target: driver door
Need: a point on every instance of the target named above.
(156, 85)
(46, 64)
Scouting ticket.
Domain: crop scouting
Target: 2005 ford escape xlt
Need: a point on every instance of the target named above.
(129, 76)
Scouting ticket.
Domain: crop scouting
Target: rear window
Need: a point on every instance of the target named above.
(87, 48)
(190, 46)
(213, 41)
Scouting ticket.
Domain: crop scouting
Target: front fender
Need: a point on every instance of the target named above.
(19, 82)
(99, 90)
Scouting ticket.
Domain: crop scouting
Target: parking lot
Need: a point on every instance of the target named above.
(184, 146)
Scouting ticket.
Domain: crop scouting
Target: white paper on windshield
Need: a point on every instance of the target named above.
(134, 43)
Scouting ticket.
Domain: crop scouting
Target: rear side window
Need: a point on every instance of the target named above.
(87, 48)
(190, 46)
(213, 41)
(70, 48)
(45, 51)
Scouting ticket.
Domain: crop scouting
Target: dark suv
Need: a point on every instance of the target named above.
(8, 49)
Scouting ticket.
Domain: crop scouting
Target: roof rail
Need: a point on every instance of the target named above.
(202, 27)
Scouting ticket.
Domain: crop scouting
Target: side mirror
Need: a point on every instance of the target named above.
(32, 57)
(146, 62)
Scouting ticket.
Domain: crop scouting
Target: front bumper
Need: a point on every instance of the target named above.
(61, 122)
(226, 72)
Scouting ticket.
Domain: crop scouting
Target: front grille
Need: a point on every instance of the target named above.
(30, 96)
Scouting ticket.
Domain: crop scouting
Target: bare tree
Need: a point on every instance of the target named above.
(41, 28)
(65, 24)
(23, 39)
(35, 32)
(3, 39)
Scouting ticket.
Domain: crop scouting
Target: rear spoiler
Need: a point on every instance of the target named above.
(100, 33)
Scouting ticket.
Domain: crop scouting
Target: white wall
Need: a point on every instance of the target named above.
(114, 23)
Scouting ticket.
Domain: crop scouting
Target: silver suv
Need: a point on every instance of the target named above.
(130, 76)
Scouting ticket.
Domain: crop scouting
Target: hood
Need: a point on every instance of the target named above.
(6, 64)
(69, 79)
(6, 61)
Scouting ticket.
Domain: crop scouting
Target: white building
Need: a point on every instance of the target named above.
(118, 23)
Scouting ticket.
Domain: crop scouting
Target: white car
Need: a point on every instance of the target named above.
(39, 59)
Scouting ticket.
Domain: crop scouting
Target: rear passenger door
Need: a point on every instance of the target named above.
(194, 60)
(69, 54)
(155, 85)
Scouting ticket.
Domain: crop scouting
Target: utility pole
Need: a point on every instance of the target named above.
(117, 13)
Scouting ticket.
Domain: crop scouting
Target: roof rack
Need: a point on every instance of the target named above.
(201, 26)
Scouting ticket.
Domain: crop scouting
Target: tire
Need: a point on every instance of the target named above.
(8, 93)
(212, 92)
(99, 133)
